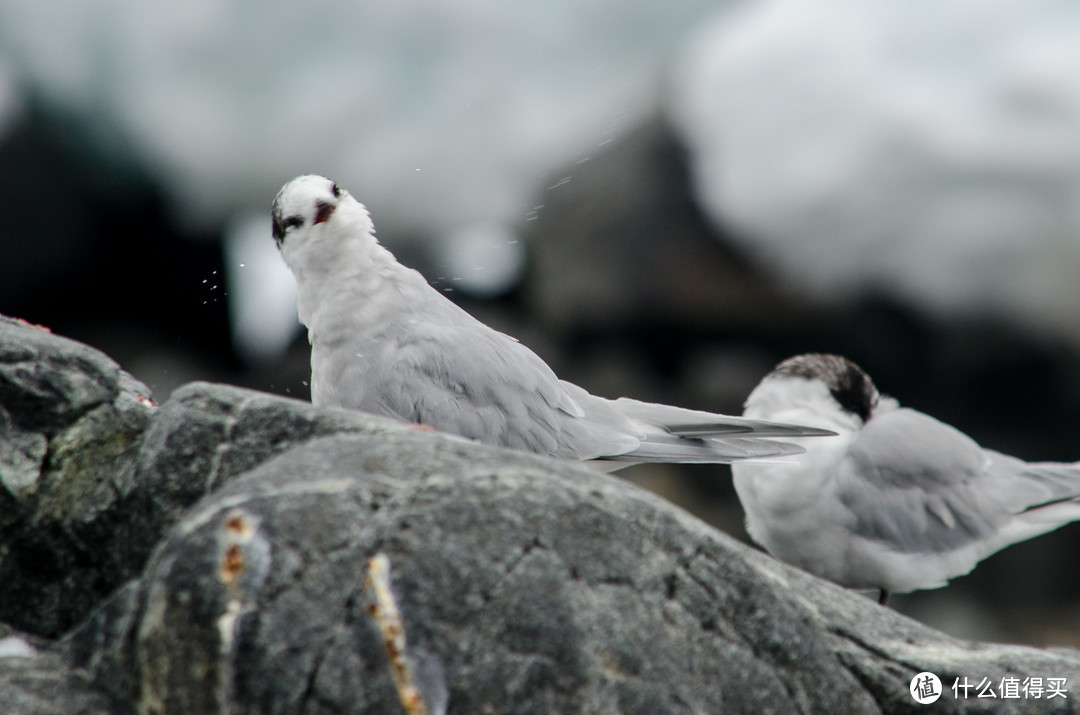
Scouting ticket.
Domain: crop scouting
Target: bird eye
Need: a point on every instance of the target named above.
(335, 190)
(280, 226)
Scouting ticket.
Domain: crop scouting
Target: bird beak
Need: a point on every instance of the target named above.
(323, 212)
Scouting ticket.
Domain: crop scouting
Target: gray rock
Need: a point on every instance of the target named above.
(34, 681)
(47, 381)
(627, 249)
(70, 424)
(530, 585)
(525, 584)
(92, 474)
(205, 435)
(21, 458)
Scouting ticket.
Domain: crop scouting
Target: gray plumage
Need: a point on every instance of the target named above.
(384, 341)
(897, 500)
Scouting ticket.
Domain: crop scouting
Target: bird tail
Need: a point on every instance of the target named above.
(1058, 483)
(675, 434)
(695, 423)
(1053, 500)
(706, 451)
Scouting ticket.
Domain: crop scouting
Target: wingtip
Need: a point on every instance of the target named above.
(815, 432)
(755, 428)
(764, 428)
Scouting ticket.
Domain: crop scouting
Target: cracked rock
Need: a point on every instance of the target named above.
(70, 422)
(92, 474)
(534, 586)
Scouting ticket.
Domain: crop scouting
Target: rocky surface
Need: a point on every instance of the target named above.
(93, 473)
(212, 557)
(37, 681)
(70, 425)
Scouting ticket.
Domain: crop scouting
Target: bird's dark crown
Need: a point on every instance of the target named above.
(850, 386)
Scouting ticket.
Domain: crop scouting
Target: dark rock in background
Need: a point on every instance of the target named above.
(94, 253)
(526, 584)
(622, 247)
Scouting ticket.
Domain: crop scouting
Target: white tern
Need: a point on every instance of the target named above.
(896, 501)
(383, 341)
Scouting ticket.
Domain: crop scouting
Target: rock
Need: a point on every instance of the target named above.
(34, 681)
(21, 457)
(532, 585)
(47, 381)
(205, 435)
(93, 474)
(70, 424)
(247, 524)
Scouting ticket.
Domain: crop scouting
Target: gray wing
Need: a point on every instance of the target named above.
(470, 380)
(921, 486)
(473, 381)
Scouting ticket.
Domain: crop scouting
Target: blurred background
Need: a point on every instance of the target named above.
(662, 199)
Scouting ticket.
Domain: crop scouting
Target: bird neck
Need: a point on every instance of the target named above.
(350, 276)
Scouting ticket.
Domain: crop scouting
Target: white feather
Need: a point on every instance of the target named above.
(899, 502)
(384, 341)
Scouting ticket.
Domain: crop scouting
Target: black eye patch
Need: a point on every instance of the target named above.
(281, 225)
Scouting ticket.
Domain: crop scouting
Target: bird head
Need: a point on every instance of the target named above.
(312, 216)
(829, 390)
